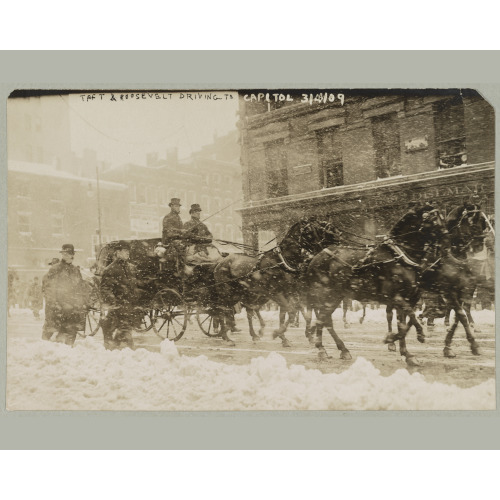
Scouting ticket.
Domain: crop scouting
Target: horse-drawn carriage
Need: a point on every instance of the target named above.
(169, 292)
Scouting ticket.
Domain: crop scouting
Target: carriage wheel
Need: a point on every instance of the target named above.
(94, 314)
(170, 315)
(208, 323)
(92, 322)
(146, 321)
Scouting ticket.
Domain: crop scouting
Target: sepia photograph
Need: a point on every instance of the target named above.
(250, 250)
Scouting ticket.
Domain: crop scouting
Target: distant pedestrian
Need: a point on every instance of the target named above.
(118, 294)
(64, 292)
(35, 297)
(49, 325)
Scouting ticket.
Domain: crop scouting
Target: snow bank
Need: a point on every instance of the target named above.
(50, 376)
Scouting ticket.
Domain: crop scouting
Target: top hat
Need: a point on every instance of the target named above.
(68, 248)
(175, 201)
(195, 208)
(122, 245)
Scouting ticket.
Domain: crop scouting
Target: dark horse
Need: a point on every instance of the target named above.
(388, 274)
(452, 277)
(271, 276)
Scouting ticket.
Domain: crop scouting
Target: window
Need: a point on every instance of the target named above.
(385, 129)
(205, 204)
(450, 133)
(218, 231)
(216, 178)
(228, 203)
(330, 158)
(217, 206)
(57, 225)
(276, 169)
(24, 222)
(192, 197)
(162, 195)
(141, 193)
(132, 192)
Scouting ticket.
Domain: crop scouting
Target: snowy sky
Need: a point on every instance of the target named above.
(123, 129)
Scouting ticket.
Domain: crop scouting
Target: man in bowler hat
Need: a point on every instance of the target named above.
(63, 288)
(118, 294)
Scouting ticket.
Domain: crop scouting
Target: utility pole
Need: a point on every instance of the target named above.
(98, 206)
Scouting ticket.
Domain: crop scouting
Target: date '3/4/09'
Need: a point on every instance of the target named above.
(323, 98)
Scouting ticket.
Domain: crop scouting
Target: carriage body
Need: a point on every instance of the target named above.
(167, 294)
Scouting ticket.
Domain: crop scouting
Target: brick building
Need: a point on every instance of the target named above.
(47, 208)
(210, 177)
(361, 156)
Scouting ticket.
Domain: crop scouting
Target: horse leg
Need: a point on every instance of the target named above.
(364, 314)
(284, 303)
(307, 314)
(250, 324)
(403, 309)
(474, 327)
(322, 354)
(224, 321)
(447, 316)
(447, 351)
(328, 322)
(345, 307)
(261, 322)
(282, 315)
(462, 317)
(391, 346)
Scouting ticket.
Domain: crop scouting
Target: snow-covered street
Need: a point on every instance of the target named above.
(201, 373)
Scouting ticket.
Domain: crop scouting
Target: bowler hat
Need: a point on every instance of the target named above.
(68, 248)
(195, 208)
(122, 245)
(175, 201)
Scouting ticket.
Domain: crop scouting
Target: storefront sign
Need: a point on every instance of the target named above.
(144, 219)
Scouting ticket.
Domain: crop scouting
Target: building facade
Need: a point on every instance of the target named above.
(361, 157)
(47, 208)
(210, 177)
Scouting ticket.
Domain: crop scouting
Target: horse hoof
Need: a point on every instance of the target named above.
(345, 355)
(476, 329)
(391, 346)
(389, 339)
(448, 353)
(323, 356)
(285, 343)
(275, 334)
(421, 338)
(255, 338)
(475, 349)
(347, 325)
(360, 320)
(413, 361)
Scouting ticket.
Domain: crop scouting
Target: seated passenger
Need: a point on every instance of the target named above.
(198, 239)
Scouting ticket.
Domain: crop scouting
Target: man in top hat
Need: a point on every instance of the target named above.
(63, 288)
(118, 294)
(194, 228)
(172, 223)
(173, 236)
